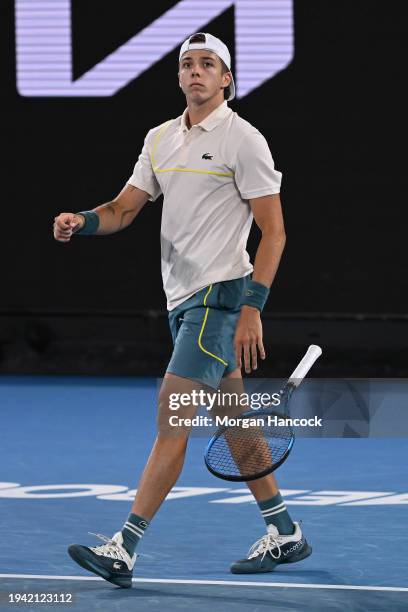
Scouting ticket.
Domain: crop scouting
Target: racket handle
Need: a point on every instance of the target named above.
(312, 354)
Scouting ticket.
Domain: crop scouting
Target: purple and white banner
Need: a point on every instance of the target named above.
(263, 45)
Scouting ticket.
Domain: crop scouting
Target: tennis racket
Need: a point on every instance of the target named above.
(239, 454)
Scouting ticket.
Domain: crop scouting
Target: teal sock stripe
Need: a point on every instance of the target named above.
(269, 504)
(133, 531)
(274, 512)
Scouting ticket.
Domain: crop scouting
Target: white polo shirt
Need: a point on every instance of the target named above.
(207, 174)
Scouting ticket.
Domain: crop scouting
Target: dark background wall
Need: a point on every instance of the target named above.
(333, 119)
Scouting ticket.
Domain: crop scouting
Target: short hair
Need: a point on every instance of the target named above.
(200, 38)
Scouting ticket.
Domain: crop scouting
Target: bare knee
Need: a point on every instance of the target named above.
(171, 419)
(173, 446)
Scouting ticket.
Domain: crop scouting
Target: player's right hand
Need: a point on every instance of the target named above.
(67, 224)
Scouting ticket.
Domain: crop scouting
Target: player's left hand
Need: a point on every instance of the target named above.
(248, 338)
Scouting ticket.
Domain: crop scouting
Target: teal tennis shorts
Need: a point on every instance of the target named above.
(203, 330)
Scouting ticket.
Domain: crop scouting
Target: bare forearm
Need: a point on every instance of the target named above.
(268, 256)
(113, 217)
(104, 219)
(267, 211)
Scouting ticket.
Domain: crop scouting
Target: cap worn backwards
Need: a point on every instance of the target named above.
(214, 44)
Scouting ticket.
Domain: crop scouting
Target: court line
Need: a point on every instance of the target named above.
(285, 585)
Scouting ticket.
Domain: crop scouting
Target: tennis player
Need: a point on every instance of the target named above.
(216, 173)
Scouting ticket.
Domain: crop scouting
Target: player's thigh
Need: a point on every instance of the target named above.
(233, 394)
(176, 404)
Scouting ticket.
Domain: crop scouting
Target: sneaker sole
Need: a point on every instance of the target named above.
(124, 583)
(256, 571)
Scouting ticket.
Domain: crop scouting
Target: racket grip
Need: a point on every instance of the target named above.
(312, 354)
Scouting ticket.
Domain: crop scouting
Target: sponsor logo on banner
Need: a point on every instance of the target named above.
(44, 46)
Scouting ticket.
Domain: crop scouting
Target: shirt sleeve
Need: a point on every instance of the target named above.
(143, 175)
(255, 173)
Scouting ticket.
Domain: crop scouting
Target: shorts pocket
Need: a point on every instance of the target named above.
(231, 293)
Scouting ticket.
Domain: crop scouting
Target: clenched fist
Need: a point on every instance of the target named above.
(67, 224)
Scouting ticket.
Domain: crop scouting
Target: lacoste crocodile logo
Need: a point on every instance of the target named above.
(207, 156)
(117, 565)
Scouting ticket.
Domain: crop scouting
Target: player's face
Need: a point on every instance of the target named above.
(200, 76)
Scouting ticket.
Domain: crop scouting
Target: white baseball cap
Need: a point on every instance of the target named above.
(214, 44)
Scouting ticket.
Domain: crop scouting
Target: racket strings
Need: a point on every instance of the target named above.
(237, 451)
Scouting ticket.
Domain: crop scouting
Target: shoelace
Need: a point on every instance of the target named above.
(264, 545)
(111, 548)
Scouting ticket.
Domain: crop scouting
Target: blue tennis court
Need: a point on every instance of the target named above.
(72, 453)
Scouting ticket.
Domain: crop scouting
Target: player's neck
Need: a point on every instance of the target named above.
(198, 112)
